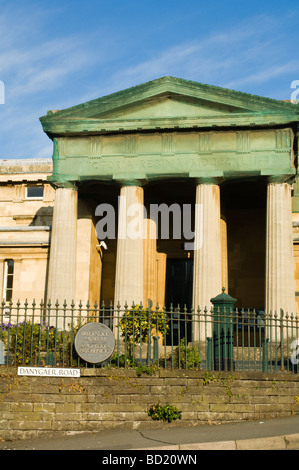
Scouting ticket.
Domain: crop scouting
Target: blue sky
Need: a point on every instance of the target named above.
(61, 53)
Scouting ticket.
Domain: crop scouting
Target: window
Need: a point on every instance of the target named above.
(34, 192)
(8, 280)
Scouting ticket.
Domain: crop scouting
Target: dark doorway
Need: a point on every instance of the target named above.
(179, 278)
(244, 208)
(178, 296)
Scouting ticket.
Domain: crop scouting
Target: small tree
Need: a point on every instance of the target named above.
(138, 323)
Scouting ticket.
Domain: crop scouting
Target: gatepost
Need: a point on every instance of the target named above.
(223, 330)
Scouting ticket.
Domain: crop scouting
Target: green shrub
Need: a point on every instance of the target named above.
(164, 413)
(186, 357)
(137, 323)
(120, 360)
(28, 341)
(144, 369)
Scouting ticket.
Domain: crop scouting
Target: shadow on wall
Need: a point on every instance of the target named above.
(43, 217)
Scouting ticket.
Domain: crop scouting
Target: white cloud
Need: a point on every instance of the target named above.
(264, 75)
(42, 72)
(30, 71)
(35, 69)
(251, 53)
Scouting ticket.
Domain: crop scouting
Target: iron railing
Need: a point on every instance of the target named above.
(240, 339)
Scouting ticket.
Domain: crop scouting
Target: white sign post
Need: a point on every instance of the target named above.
(48, 372)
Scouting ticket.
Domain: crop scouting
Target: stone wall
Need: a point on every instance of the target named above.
(101, 399)
(25, 226)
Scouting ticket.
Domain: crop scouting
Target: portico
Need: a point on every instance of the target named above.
(224, 159)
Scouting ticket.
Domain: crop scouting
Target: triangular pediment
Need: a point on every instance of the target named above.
(168, 103)
(168, 106)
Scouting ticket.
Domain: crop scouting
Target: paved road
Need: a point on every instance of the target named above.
(275, 434)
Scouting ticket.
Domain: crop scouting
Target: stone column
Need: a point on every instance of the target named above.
(280, 283)
(161, 278)
(89, 258)
(150, 263)
(154, 267)
(129, 258)
(224, 261)
(207, 270)
(62, 264)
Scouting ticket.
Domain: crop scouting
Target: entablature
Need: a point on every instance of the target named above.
(160, 155)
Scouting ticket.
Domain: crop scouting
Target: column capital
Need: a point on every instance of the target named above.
(280, 179)
(130, 180)
(207, 176)
(208, 180)
(63, 184)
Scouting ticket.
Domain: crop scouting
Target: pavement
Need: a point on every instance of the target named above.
(272, 434)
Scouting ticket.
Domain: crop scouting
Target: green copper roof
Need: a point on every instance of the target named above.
(188, 104)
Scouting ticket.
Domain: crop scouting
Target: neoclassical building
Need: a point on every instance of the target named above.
(217, 166)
